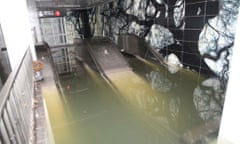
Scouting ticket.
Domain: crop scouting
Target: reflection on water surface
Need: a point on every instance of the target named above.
(147, 105)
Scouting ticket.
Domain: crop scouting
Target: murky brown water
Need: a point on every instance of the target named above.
(148, 105)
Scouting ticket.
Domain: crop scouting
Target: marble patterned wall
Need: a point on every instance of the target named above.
(199, 32)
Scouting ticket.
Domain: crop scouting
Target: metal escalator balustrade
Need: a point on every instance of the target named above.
(63, 58)
(134, 45)
(108, 57)
(105, 55)
(16, 108)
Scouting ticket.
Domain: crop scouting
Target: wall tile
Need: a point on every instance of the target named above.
(178, 34)
(194, 22)
(195, 9)
(212, 8)
(194, 1)
(190, 47)
(171, 23)
(163, 22)
(191, 35)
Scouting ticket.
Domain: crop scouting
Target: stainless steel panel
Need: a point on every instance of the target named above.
(4, 134)
(13, 122)
(16, 104)
(9, 127)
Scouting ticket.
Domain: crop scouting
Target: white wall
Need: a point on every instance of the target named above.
(16, 29)
(230, 124)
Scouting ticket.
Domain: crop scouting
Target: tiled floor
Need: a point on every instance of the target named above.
(40, 117)
(41, 131)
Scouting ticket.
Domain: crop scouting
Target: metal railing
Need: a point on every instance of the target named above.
(16, 104)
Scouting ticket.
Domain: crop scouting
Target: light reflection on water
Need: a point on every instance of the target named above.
(99, 116)
(152, 105)
(134, 89)
(188, 100)
(57, 113)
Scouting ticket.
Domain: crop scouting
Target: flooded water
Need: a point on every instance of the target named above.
(147, 105)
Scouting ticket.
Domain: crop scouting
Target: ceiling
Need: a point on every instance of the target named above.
(69, 4)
